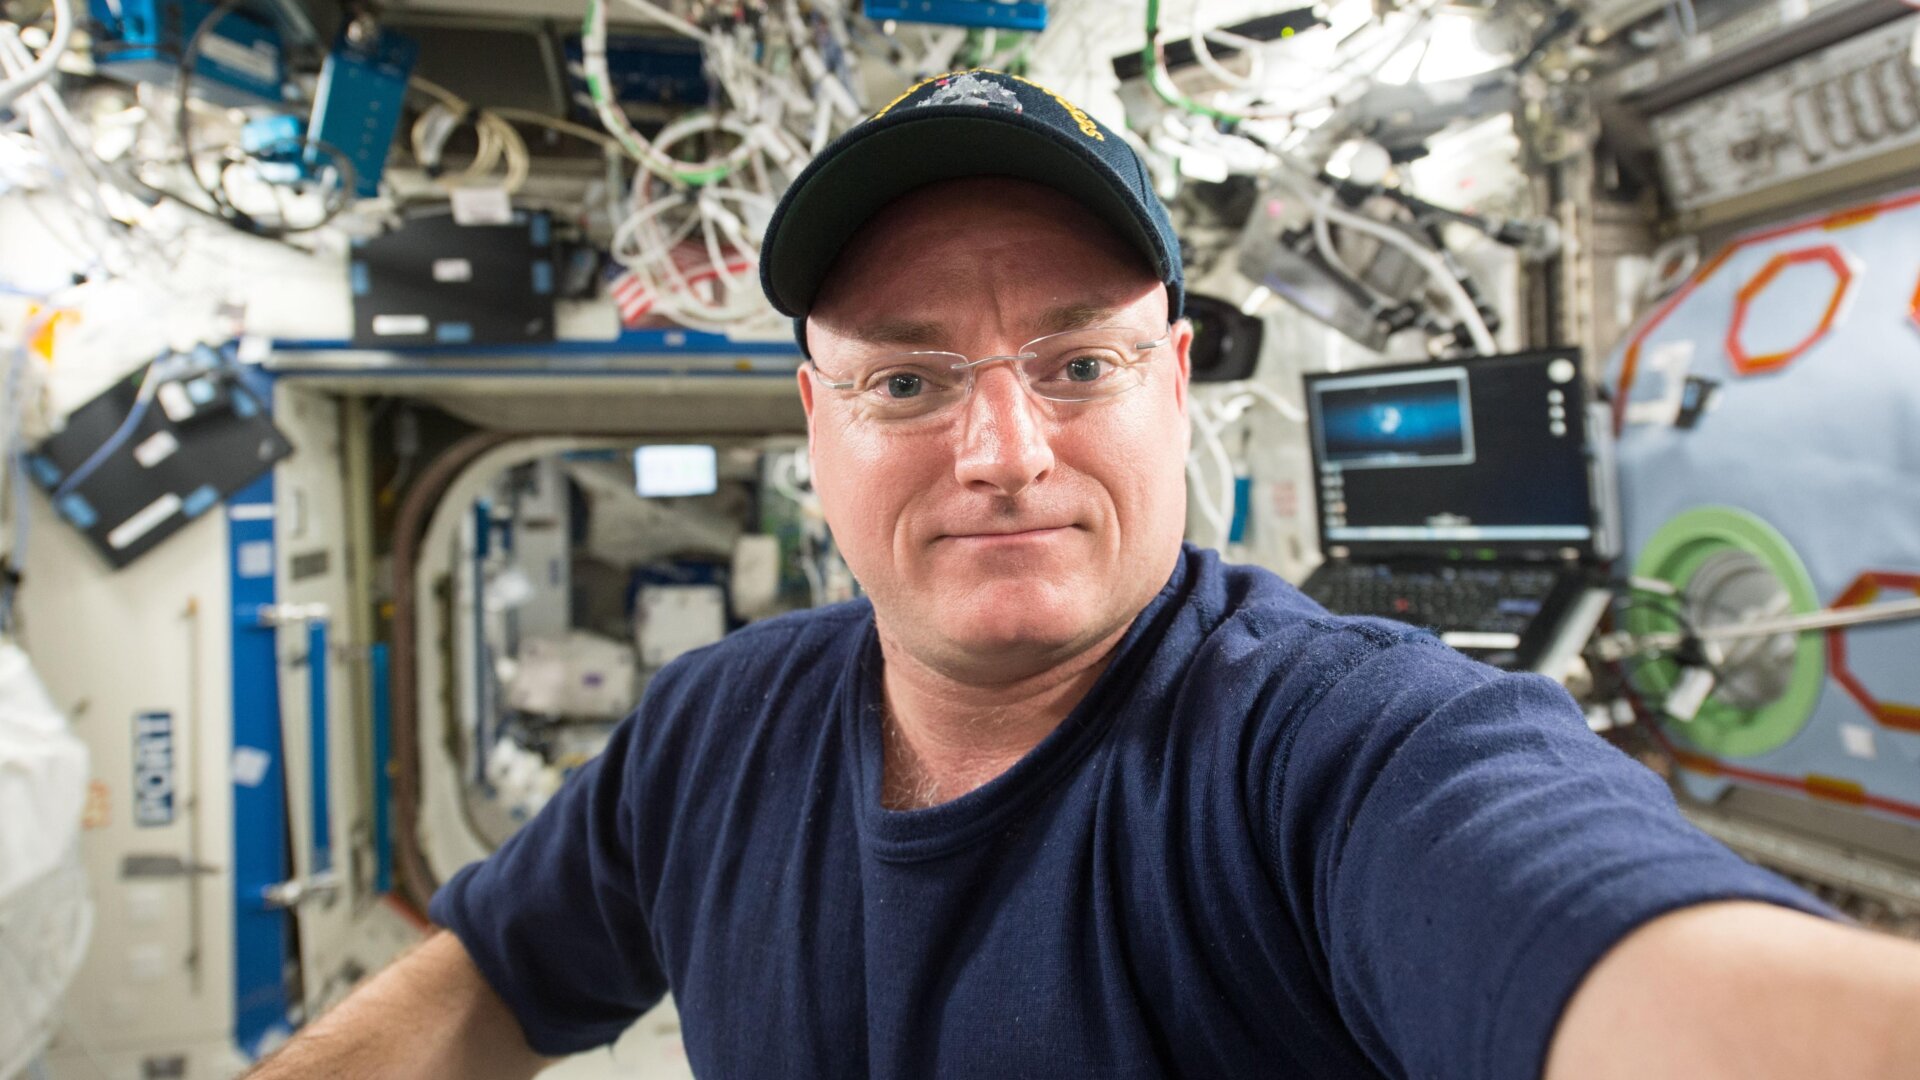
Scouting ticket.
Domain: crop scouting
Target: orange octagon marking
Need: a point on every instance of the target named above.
(1913, 309)
(1863, 590)
(1747, 364)
(1630, 363)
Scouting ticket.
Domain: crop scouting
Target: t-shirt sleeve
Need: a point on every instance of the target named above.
(1463, 850)
(553, 919)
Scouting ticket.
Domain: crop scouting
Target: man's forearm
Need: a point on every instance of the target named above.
(429, 1014)
(1744, 990)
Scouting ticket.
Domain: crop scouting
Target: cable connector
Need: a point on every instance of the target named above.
(1689, 693)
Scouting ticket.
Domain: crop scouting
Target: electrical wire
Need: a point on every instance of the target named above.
(499, 144)
(43, 65)
(1254, 80)
(1212, 416)
(142, 401)
(78, 174)
(782, 83)
(1153, 60)
(564, 127)
(216, 193)
(593, 49)
(1328, 208)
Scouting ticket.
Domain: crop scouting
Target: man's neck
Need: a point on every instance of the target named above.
(946, 736)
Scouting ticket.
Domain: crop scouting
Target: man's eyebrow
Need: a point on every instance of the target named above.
(903, 332)
(923, 334)
(1066, 317)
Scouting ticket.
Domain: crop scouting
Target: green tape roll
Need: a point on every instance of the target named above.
(1678, 551)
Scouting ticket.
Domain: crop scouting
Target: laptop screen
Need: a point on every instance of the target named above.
(1465, 459)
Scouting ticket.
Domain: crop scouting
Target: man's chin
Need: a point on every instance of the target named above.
(1020, 616)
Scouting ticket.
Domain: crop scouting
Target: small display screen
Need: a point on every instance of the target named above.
(1414, 418)
(661, 471)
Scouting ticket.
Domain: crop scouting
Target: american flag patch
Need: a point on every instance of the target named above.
(633, 294)
(630, 295)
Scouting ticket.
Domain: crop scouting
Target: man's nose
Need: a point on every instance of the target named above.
(1003, 440)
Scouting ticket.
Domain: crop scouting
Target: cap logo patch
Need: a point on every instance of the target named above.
(1087, 127)
(971, 89)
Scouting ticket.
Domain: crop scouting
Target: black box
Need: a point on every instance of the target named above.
(437, 282)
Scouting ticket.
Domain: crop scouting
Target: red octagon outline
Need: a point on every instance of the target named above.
(1901, 717)
(1747, 364)
(1830, 222)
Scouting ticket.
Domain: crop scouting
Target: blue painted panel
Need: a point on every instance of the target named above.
(994, 13)
(357, 107)
(1819, 445)
(262, 939)
(666, 341)
(382, 778)
(322, 797)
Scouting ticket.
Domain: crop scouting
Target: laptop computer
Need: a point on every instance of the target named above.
(1460, 496)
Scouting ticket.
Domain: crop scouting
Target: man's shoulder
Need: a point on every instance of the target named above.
(1260, 630)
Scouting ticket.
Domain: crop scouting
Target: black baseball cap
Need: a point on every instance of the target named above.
(967, 123)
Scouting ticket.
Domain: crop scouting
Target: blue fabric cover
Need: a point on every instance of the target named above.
(1270, 842)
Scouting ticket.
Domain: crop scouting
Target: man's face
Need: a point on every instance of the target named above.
(1013, 531)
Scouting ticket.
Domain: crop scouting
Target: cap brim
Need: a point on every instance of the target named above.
(826, 207)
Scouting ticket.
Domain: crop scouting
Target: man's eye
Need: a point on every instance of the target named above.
(1085, 369)
(904, 385)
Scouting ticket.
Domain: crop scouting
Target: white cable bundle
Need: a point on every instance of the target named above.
(46, 918)
(693, 226)
(1213, 413)
(498, 141)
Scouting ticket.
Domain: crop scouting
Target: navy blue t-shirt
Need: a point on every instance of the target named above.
(1268, 842)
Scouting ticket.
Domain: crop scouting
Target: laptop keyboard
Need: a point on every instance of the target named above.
(1498, 602)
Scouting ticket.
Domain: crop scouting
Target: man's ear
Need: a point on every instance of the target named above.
(806, 398)
(1182, 335)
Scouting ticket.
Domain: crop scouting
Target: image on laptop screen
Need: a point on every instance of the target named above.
(1490, 451)
(1409, 418)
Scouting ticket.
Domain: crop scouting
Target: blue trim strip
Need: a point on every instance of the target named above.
(382, 775)
(482, 707)
(1031, 16)
(201, 500)
(321, 795)
(672, 342)
(262, 941)
(414, 371)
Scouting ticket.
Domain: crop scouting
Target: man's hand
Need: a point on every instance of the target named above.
(429, 1014)
(1744, 990)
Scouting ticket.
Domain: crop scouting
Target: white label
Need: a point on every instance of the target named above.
(389, 325)
(250, 765)
(254, 559)
(147, 962)
(1476, 639)
(1643, 74)
(1857, 739)
(145, 521)
(174, 401)
(452, 270)
(156, 449)
(1669, 361)
(251, 512)
(153, 769)
(260, 62)
(482, 206)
